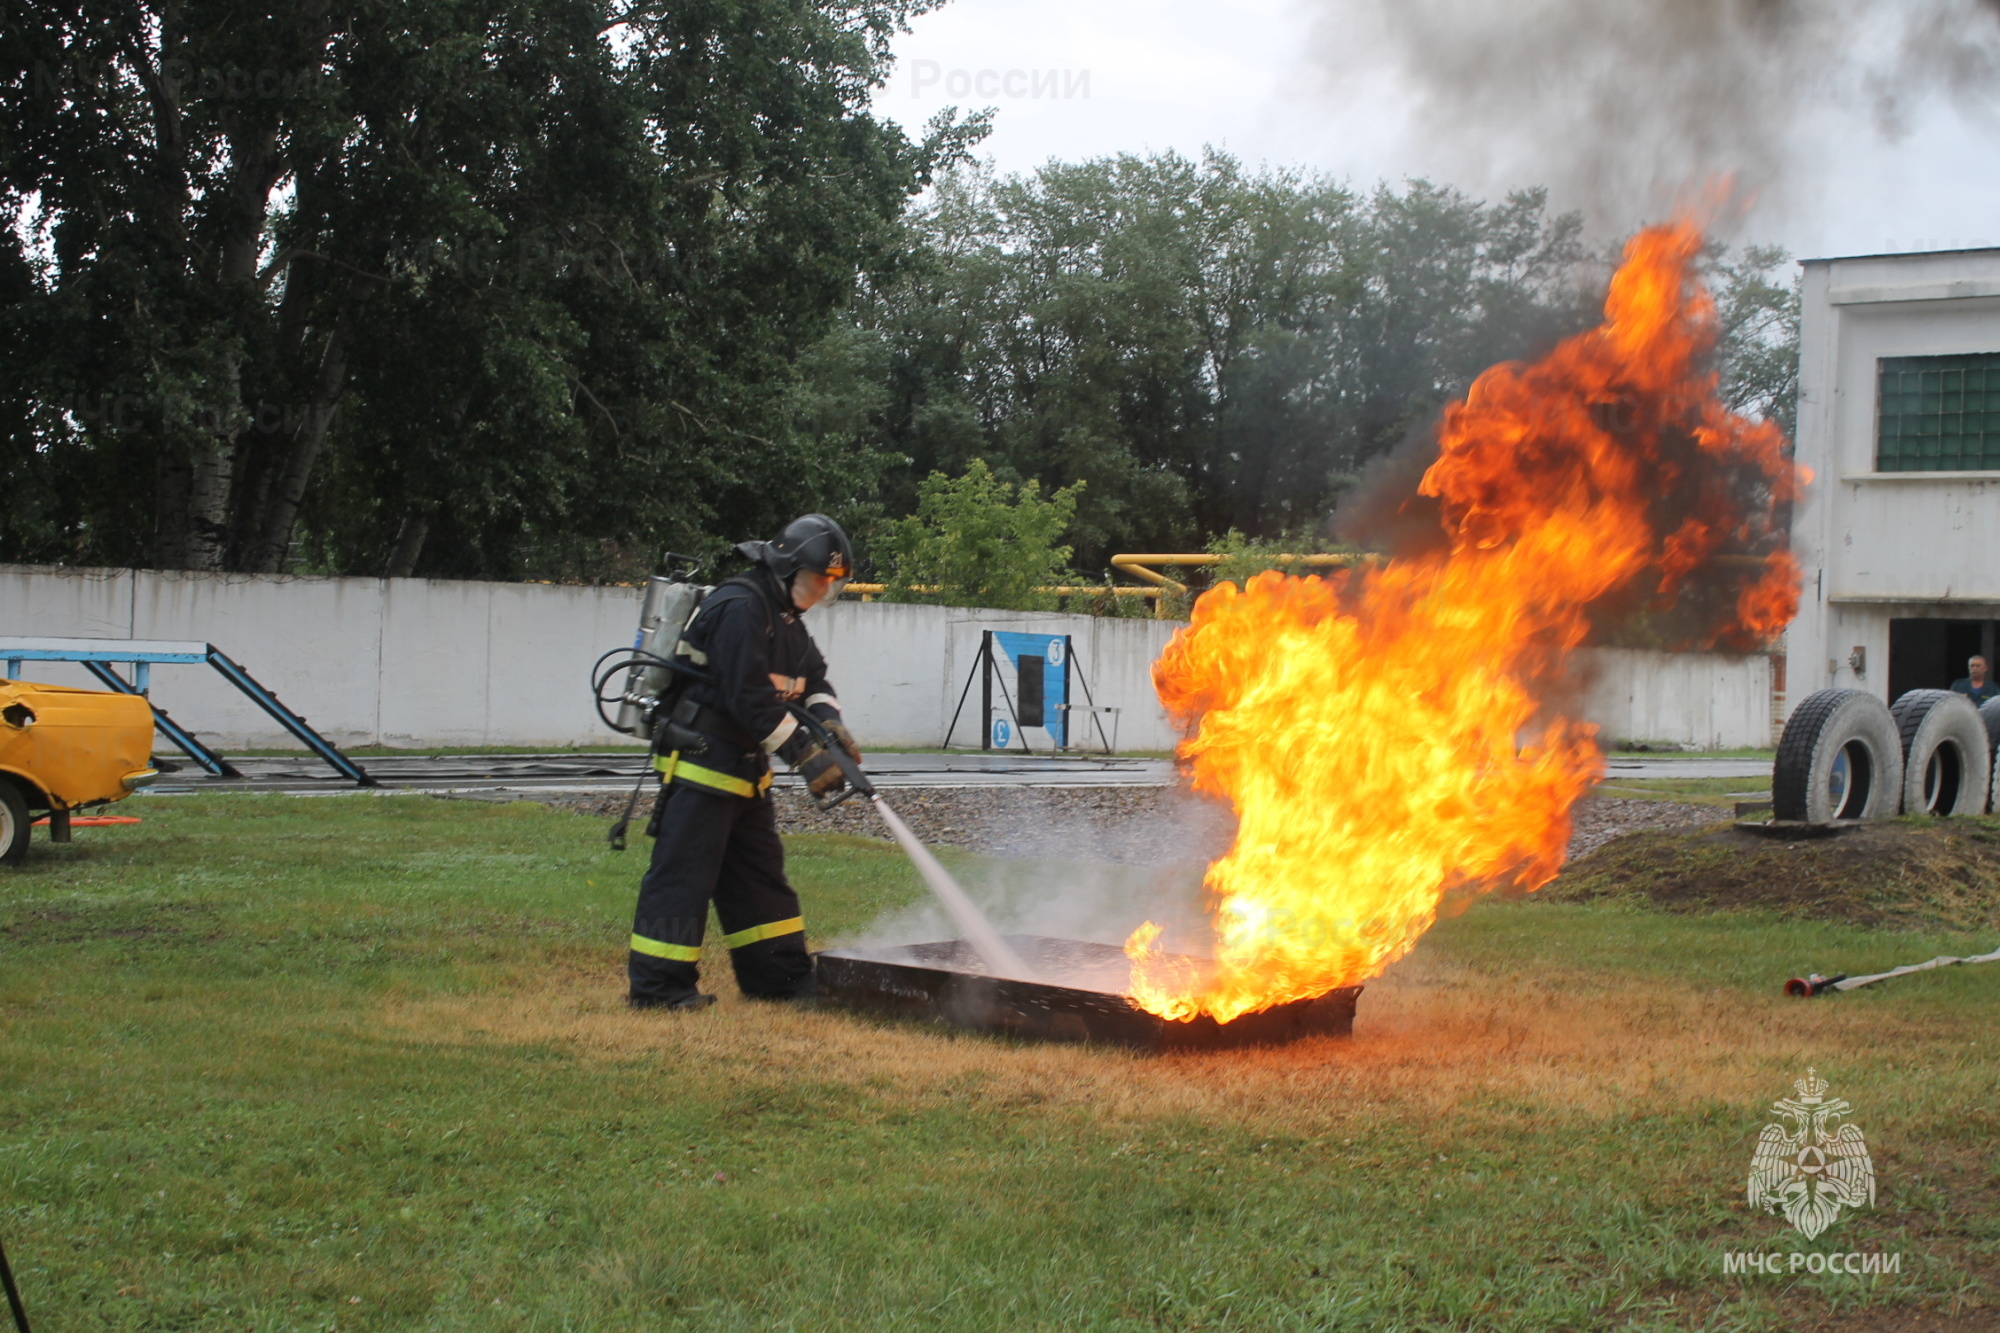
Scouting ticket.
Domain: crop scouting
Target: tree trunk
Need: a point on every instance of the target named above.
(256, 168)
(173, 478)
(409, 545)
(273, 527)
(214, 468)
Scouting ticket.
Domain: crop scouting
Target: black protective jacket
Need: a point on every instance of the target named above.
(748, 632)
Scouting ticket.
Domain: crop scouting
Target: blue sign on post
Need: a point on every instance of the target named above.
(1039, 682)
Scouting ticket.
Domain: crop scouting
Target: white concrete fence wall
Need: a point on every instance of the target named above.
(417, 662)
(422, 662)
(1711, 700)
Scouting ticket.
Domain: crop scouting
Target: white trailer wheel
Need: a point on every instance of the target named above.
(14, 825)
(1839, 758)
(1947, 759)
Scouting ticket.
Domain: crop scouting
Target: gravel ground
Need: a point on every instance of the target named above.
(1131, 825)
(1599, 819)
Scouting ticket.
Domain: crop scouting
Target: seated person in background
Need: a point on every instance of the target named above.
(1975, 685)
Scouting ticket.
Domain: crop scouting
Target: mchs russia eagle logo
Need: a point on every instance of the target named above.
(1809, 1170)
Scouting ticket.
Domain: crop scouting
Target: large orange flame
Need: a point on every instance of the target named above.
(1386, 735)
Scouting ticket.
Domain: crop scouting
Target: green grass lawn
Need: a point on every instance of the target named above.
(363, 1063)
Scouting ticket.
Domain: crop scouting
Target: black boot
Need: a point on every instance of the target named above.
(692, 1002)
(804, 992)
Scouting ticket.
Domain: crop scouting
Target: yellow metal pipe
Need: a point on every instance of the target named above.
(1135, 564)
(1139, 567)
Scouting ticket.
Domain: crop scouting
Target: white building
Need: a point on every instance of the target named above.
(1899, 420)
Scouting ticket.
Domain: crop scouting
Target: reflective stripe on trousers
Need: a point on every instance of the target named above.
(770, 930)
(691, 953)
(680, 953)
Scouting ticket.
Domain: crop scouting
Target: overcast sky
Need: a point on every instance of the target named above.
(1305, 83)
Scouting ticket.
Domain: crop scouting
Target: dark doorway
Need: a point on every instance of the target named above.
(1031, 679)
(1931, 654)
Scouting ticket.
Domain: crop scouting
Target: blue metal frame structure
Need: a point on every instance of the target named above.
(987, 669)
(172, 730)
(97, 655)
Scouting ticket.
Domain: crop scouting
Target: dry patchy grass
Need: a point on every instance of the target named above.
(1436, 1037)
(286, 1065)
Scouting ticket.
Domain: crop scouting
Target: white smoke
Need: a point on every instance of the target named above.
(1052, 867)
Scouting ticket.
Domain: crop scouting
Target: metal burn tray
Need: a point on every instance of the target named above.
(1080, 997)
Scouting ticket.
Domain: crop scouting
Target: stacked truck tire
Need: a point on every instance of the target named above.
(1845, 755)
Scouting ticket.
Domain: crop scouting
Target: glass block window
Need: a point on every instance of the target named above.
(1938, 413)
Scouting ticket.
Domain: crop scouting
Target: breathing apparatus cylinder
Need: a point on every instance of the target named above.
(665, 608)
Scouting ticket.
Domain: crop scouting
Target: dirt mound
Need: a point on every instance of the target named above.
(1905, 873)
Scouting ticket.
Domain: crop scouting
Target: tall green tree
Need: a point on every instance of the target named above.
(1758, 315)
(1209, 348)
(471, 287)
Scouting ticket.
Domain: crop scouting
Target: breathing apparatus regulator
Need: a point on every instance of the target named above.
(660, 664)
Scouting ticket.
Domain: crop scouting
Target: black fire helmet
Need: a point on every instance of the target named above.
(813, 542)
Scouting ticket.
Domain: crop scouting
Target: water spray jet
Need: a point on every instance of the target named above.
(1031, 986)
(999, 957)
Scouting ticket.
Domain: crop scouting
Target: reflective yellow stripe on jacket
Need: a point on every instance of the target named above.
(679, 953)
(672, 766)
(770, 930)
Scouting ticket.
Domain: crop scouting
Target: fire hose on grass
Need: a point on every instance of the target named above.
(1815, 984)
(1000, 958)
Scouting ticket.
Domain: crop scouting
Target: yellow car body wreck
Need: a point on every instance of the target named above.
(62, 749)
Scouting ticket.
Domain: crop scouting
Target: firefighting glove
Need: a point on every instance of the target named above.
(826, 710)
(809, 759)
(843, 737)
(823, 776)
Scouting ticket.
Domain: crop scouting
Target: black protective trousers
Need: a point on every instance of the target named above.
(714, 847)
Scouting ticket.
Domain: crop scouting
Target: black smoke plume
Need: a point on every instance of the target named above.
(1620, 105)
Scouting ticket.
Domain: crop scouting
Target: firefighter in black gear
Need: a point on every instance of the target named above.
(716, 832)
